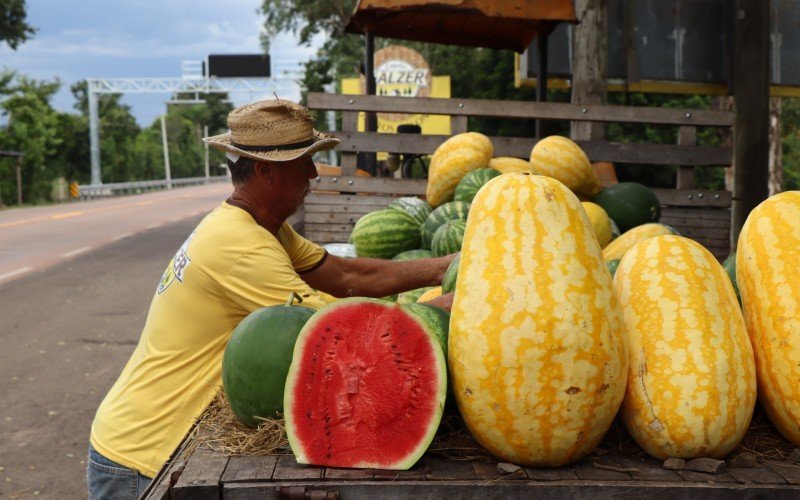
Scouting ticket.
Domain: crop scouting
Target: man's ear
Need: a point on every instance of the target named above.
(263, 168)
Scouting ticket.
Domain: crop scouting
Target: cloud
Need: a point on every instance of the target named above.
(147, 38)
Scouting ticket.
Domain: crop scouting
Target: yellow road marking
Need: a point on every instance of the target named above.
(66, 215)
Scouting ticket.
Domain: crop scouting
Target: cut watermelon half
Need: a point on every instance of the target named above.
(366, 387)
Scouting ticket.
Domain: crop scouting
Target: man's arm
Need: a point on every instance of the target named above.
(364, 277)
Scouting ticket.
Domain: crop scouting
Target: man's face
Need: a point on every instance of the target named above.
(290, 182)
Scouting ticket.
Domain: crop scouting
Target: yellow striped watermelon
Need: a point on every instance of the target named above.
(767, 258)
(536, 349)
(452, 160)
(691, 383)
(560, 158)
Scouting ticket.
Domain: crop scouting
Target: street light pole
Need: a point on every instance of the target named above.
(167, 172)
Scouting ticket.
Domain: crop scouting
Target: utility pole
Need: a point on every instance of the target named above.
(205, 144)
(167, 172)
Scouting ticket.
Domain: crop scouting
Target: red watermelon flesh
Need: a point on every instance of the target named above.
(366, 387)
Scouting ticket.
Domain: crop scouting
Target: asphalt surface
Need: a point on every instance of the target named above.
(67, 330)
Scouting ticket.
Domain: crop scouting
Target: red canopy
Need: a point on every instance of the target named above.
(506, 24)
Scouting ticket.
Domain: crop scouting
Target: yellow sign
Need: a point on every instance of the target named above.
(401, 71)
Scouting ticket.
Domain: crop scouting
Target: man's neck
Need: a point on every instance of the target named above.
(267, 219)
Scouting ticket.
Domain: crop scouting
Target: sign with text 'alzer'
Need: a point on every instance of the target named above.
(239, 65)
(403, 72)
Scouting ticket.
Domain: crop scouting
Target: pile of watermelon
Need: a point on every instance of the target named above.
(550, 293)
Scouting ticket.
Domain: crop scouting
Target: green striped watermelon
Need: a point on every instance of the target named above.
(447, 239)
(413, 206)
(413, 255)
(385, 233)
(411, 296)
(454, 210)
(449, 281)
(612, 266)
(470, 184)
(629, 204)
(730, 267)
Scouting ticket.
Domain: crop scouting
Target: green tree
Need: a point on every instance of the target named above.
(790, 123)
(13, 28)
(32, 127)
(118, 131)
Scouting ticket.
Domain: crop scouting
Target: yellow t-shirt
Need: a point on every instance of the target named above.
(227, 268)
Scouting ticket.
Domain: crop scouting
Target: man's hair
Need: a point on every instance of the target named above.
(241, 170)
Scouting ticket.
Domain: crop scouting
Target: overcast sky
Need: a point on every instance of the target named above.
(145, 38)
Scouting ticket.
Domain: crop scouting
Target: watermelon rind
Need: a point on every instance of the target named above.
(612, 266)
(419, 253)
(385, 233)
(439, 361)
(449, 281)
(411, 296)
(257, 358)
(417, 208)
(448, 238)
(469, 185)
(730, 267)
(629, 204)
(453, 210)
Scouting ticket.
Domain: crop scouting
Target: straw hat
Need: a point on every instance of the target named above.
(271, 130)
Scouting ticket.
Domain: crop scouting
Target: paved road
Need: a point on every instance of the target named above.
(67, 330)
(31, 239)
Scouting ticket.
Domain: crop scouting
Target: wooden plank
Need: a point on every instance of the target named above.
(340, 199)
(756, 475)
(332, 218)
(647, 469)
(505, 490)
(350, 474)
(521, 109)
(791, 473)
(601, 470)
(351, 209)
(160, 487)
(287, 469)
(442, 469)
(693, 198)
(687, 136)
(687, 222)
(703, 477)
(458, 124)
(243, 468)
(377, 185)
(415, 473)
(705, 233)
(696, 213)
(333, 228)
(201, 477)
(559, 474)
(321, 237)
(520, 147)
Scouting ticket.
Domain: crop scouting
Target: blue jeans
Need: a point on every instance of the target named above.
(107, 479)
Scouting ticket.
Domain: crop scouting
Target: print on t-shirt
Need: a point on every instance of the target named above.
(177, 266)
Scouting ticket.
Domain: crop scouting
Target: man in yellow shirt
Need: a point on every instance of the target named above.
(241, 257)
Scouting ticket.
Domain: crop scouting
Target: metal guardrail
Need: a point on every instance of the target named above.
(94, 191)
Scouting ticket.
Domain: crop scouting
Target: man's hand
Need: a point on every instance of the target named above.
(443, 301)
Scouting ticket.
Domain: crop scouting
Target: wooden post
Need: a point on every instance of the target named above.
(590, 55)
(371, 122)
(751, 91)
(541, 79)
(775, 183)
(687, 136)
